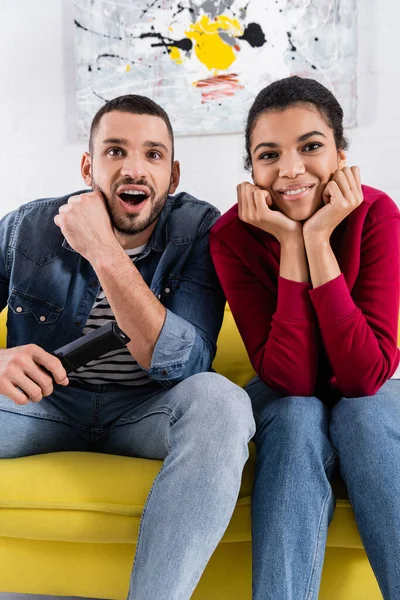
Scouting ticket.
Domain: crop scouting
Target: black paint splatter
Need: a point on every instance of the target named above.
(168, 43)
(254, 35)
(243, 11)
(108, 55)
(147, 9)
(292, 46)
(181, 8)
(113, 37)
(98, 96)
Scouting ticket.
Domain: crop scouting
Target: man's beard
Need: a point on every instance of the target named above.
(131, 223)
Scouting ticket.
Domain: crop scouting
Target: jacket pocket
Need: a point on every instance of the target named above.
(30, 318)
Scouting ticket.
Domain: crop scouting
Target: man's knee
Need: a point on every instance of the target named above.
(216, 402)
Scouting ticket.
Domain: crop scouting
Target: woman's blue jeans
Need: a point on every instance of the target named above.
(298, 440)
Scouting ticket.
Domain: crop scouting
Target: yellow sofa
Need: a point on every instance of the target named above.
(69, 521)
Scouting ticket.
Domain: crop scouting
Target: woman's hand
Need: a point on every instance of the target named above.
(255, 208)
(341, 196)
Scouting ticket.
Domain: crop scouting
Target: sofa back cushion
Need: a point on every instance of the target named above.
(231, 359)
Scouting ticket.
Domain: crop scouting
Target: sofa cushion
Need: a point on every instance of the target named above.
(231, 359)
(99, 498)
(87, 497)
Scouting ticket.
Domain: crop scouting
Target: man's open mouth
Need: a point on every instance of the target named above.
(133, 197)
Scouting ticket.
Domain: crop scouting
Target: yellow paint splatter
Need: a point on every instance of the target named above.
(128, 68)
(210, 48)
(175, 55)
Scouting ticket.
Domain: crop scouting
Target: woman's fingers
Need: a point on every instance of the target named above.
(250, 199)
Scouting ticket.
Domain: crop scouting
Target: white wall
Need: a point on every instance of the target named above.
(40, 152)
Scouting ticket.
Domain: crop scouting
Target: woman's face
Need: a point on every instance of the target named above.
(293, 156)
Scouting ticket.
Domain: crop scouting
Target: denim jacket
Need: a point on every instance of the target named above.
(50, 289)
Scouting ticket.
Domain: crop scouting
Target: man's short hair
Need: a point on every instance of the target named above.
(134, 104)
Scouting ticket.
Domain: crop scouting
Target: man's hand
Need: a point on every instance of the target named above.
(341, 196)
(22, 374)
(85, 224)
(254, 208)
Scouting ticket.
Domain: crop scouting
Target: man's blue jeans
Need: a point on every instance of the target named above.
(200, 427)
(298, 440)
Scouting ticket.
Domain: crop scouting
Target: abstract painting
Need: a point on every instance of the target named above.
(205, 60)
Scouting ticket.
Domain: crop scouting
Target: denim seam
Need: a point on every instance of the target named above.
(329, 462)
(173, 366)
(366, 552)
(96, 412)
(144, 511)
(313, 575)
(166, 410)
(15, 224)
(37, 262)
(19, 292)
(141, 527)
(47, 418)
(172, 421)
(39, 203)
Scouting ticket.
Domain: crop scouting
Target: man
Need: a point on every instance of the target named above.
(130, 252)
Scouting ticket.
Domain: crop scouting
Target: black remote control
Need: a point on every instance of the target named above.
(91, 346)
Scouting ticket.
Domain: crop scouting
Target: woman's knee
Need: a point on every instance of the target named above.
(294, 433)
(294, 414)
(367, 420)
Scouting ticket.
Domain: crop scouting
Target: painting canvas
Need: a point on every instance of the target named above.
(205, 60)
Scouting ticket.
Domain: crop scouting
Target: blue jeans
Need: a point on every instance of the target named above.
(200, 428)
(298, 440)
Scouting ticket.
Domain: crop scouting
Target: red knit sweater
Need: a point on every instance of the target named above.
(341, 335)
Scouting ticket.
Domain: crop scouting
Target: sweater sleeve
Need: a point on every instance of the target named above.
(359, 330)
(278, 326)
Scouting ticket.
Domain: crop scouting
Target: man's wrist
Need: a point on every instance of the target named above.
(106, 255)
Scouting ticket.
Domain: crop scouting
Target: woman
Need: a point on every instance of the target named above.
(309, 262)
